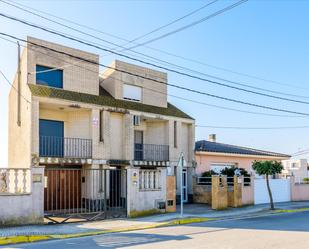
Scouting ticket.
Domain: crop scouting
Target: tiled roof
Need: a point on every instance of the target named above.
(104, 99)
(208, 146)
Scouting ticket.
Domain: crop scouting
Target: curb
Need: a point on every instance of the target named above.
(34, 238)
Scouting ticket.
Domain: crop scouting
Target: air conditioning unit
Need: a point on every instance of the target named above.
(136, 120)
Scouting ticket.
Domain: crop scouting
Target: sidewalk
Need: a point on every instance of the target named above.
(192, 213)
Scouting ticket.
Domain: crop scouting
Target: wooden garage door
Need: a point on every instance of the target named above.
(63, 189)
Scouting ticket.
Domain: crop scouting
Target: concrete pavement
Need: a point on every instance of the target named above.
(192, 213)
(282, 231)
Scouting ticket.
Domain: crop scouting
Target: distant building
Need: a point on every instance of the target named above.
(295, 167)
(211, 155)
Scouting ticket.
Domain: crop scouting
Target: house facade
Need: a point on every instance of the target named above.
(295, 167)
(211, 155)
(108, 140)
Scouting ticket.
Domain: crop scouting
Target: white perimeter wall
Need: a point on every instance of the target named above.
(281, 190)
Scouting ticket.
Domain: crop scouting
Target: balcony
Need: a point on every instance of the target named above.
(65, 147)
(151, 152)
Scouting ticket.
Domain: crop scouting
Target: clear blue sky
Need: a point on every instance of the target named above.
(268, 39)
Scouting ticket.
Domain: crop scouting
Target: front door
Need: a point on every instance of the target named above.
(185, 185)
(51, 138)
(138, 146)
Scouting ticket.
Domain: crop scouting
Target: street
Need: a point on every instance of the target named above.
(288, 230)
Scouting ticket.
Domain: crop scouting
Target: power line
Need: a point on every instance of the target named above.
(253, 128)
(151, 64)
(171, 95)
(152, 48)
(7, 80)
(160, 60)
(300, 152)
(172, 22)
(158, 81)
(192, 24)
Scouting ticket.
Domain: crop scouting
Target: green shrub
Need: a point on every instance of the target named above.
(306, 180)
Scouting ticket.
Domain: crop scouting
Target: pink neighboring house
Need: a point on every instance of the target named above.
(216, 156)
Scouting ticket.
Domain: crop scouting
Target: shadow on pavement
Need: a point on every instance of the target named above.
(133, 239)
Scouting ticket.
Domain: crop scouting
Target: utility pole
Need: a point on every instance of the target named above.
(18, 86)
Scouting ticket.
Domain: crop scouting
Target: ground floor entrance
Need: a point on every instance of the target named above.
(76, 192)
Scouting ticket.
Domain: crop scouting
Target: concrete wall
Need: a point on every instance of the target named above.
(77, 123)
(248, 193)
(280, 188)
(79, 76)
(170, 193)
(116, 136)
(156, 133)
(152, 93)
(17, 209)
(19, 146)
(144, 200)
(219, 193)
(299, 191)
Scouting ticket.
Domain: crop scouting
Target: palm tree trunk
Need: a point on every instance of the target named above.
(272, 207)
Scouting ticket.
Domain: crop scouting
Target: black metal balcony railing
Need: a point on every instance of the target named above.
(151, 152)
(65, 147)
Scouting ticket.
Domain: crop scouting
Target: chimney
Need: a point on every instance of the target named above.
(212, 137)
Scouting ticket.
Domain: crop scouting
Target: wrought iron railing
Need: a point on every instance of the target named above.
(151, 152)
(65, 147)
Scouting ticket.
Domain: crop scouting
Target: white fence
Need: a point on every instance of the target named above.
(280, 188)
(15, 181)
(21, 196)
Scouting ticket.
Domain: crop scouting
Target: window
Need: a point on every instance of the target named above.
(133, 93)
(175, 134)
(149, 179)
(294, 166)
(136, 120)
(48, 76)
(217, 167)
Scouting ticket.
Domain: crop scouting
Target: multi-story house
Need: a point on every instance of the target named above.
(107, 140)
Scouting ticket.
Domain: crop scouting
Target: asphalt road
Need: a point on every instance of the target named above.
(284, 231)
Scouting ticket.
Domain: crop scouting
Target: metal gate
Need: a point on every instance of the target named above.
(76, 194)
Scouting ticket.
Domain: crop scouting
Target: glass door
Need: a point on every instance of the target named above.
(185, 185)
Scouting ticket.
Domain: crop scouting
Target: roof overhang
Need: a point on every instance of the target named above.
(209, 153)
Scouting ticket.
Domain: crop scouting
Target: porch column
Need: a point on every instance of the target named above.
(106, 135)
(35, 127)
(128, 139)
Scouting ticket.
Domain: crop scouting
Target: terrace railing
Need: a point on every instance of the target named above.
(66, 147)
(151, 152)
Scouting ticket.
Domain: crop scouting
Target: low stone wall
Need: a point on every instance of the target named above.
(201, 193)
(299, 190)
(24, 208)
(220, 195)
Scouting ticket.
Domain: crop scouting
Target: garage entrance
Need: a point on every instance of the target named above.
(76, 193)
